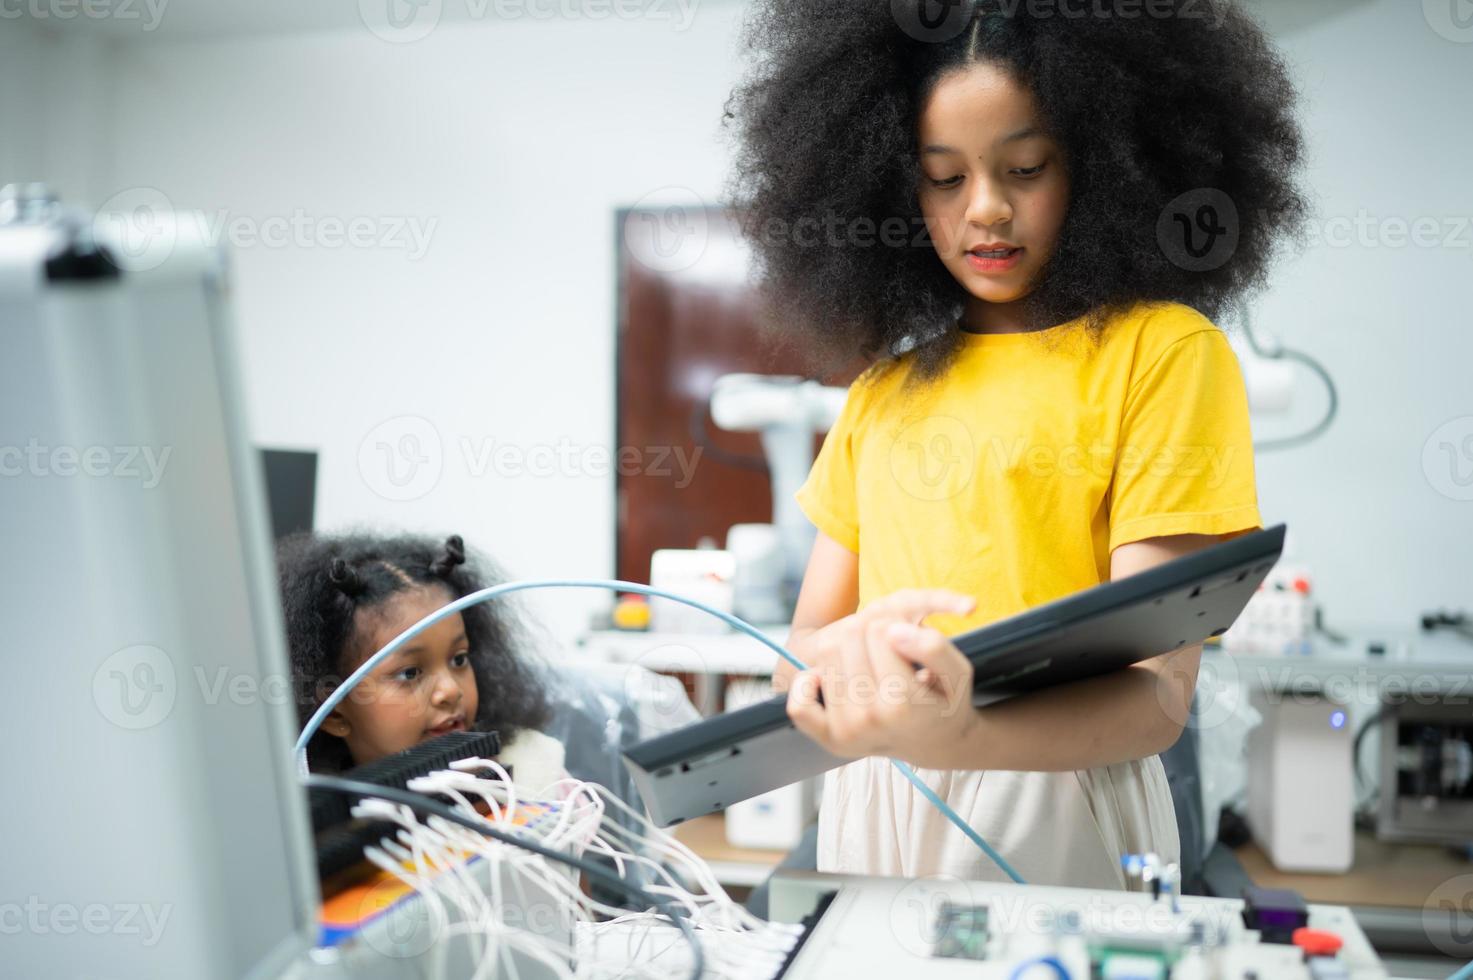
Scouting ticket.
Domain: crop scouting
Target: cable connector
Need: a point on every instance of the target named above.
(1162, 877)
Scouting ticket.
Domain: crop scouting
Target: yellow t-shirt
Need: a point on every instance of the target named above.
(1013, 476)
(1011, 479)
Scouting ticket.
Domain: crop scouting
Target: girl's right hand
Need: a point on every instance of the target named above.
(819, 646)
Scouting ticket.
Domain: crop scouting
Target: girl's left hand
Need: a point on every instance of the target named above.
(875, 701)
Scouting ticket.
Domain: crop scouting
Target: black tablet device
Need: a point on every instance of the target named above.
(735, 756)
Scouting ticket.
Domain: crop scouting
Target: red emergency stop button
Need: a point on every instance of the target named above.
(1317, 942)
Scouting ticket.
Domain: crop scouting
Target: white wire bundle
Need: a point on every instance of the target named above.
(603, 940)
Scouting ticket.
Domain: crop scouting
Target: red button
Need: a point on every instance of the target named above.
(1317, 942)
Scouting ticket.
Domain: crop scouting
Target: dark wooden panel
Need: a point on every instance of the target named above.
(687, 315)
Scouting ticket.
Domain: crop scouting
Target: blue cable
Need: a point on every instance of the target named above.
(1050, 961)
(955, 818)
(506, 588)
(1464, 974)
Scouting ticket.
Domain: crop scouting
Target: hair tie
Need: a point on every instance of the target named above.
(346, 578)
(454, 555)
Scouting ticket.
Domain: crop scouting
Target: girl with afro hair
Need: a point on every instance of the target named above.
(1024, 217)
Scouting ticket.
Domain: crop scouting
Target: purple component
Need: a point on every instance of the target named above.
(1274, 912)
(1282, 918)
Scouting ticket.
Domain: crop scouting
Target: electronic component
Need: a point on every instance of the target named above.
(1323, 968)
(1459, 623)
(1274, 912)
(1317, 942)
(807, 924)
(1426, 771)
(1160, 877)
(961, 932)
(340, 839)
(1132, 966)
(631, 612)
(1041, 933)
(1279, 618)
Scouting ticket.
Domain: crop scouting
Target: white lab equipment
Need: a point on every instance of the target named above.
(758, 587)
(1279, 618)
(787, 412)
(703, 574)
(1301, 788)
(1269, 380)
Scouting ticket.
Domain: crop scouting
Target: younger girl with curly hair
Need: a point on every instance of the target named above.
(346, 596)
(1024, 216)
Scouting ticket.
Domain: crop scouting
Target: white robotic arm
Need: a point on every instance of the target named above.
(787, 411)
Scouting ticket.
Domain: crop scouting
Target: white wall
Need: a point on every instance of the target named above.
(519, 139)
(513, 143)
(1386, 109)
(22, 112)
(52, 122)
